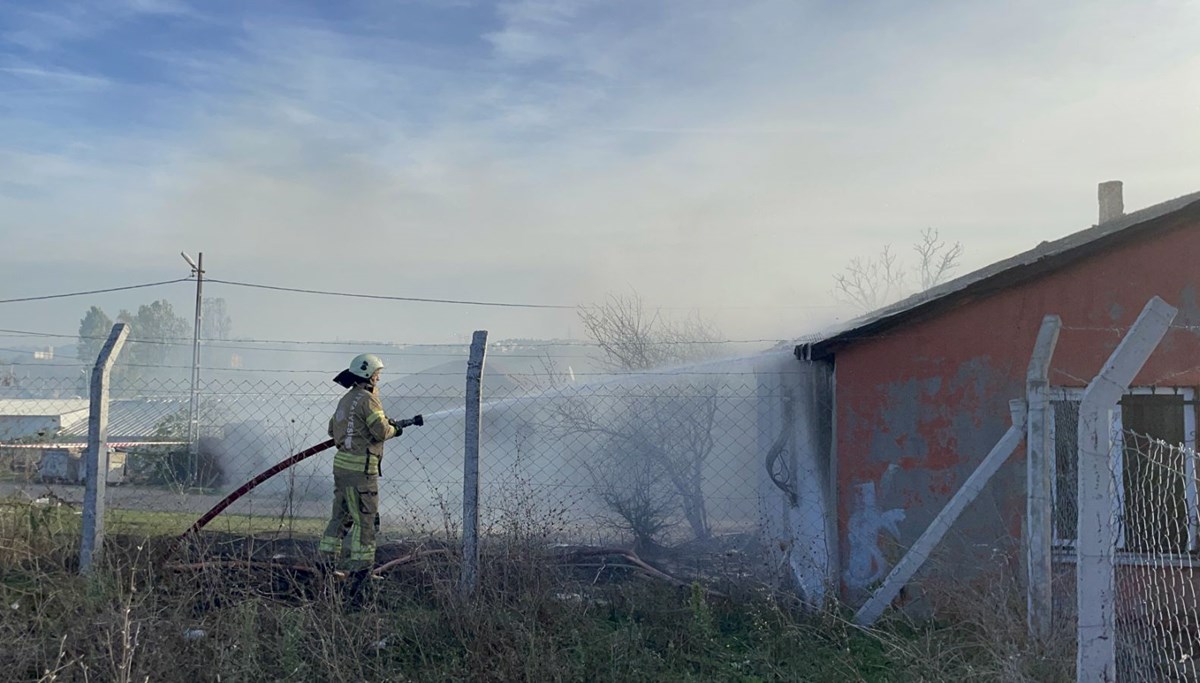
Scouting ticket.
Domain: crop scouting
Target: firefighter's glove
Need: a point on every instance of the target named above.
(397, 427)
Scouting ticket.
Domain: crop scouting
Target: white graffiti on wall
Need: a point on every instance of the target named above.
(867, 562)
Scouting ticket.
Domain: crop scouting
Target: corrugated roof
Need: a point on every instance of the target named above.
(131, 419)
(1043, 258)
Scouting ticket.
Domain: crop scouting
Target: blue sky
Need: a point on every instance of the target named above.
(722, 156)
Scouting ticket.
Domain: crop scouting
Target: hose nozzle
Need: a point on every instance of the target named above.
(414, 421)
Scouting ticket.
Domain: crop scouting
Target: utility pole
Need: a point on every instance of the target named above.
(194, 406)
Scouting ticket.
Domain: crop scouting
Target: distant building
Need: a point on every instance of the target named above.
(66, 466)
(25, 418)
(40, 433)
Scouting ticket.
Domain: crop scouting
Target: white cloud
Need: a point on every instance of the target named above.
(536, 30)
(705, 154)
(54, 77)
(170, 7)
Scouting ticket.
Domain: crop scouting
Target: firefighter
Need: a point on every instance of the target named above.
(358, 427)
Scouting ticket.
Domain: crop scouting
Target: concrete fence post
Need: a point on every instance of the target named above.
(1095, 544)
(1039, 528)
(473, 414)
(91, 544)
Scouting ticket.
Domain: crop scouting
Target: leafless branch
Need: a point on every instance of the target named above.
(936, 259)
(633, 338)
(871, 282)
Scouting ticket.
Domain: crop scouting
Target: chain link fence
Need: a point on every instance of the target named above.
(645, 461)
(1154, 514)
(1158, 634)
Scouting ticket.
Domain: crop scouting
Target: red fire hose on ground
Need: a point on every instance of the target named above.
(267, 474)
(250, 485)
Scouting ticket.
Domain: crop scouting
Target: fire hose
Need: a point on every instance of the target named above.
(415, 421)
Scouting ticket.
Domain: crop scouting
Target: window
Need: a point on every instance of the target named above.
(1154, 433)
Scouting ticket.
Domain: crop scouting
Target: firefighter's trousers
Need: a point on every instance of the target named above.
(355, 514)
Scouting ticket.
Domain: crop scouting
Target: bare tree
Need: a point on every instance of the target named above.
(635, 489)
(654, 439)
(936, 259)
(654, 445)
(678, 427)
(871, 282)
(634, 338)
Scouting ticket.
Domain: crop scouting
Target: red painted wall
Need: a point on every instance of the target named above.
(929, 399)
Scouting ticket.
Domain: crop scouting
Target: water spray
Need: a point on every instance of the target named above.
(711, 366)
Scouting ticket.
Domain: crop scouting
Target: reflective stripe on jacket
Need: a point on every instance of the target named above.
(359, 427)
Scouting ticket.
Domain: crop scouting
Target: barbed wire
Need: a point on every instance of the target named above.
(1074, 378)
(220, 343)
(404, 354)
(334, 370)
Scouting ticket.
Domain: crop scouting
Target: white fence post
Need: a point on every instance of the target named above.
(91, 544)
(919, 552)
(473, 411)
(1039, 529)
(1095, 543)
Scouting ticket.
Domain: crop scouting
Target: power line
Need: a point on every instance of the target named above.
(93, 291)
(472, 302)
(383, 297)
(187, 341)
(380, 297)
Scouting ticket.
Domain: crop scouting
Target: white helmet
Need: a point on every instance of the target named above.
(365, 364)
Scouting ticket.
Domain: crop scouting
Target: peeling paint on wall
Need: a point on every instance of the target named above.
(930, 396)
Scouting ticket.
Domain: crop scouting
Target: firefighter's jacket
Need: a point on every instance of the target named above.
(359, 429)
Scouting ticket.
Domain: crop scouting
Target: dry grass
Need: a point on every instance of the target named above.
(981, 626)
(136, 620)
